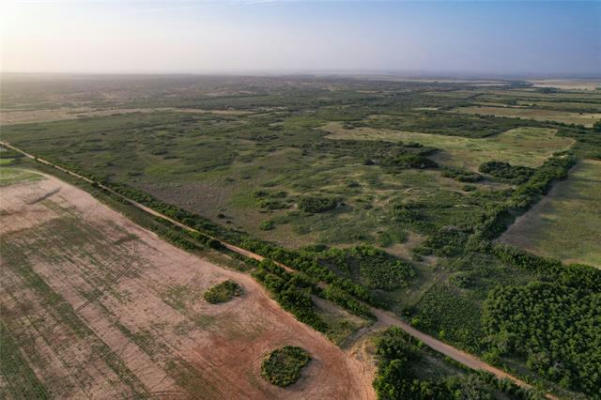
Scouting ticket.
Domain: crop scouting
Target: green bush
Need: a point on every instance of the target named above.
(266, 225)
(223, 292)
(506, 171)
(317, 204)
(461, 175)
(283, 366)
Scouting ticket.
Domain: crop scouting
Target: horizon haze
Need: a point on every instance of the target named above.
(423, 38)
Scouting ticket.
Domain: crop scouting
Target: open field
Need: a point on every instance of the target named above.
(521, 146)
(566, 117)
(567, 84)
(567, 223)
(96, 307)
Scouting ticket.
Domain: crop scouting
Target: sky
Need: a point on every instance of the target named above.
(541, 38)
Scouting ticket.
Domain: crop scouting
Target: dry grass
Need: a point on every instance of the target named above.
(567, 223)
(566, 117)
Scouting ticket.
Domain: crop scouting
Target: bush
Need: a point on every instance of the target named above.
(223, 292)
(317, 204)
(507, 172)
(283, 366)
(407, 161)
(461, 175)
(266, 225)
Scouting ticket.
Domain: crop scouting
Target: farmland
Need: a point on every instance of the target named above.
(373, 193)
(94, 306)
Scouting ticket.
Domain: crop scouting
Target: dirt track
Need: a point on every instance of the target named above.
(384, 318)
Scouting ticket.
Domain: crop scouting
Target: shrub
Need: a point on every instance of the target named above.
(410, 161)
(266, 225)
(506, 171)
(223, 292)
(461, 175)
(283, 366)
(317, 204)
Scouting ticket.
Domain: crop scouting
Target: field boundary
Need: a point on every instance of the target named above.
(384, 318)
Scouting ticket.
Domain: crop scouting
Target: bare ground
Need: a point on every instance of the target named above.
(102, 308)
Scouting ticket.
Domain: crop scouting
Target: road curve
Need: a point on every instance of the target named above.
(385, 318)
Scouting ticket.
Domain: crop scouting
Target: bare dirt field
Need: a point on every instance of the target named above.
(566, 224)
(93, 306)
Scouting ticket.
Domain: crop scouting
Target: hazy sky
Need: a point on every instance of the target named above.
(544, 37)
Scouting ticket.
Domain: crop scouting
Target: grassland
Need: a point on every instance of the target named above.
(567, 224)
(520, 146)
(566, 117)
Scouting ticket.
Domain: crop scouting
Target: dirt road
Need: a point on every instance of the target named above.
(384, 318)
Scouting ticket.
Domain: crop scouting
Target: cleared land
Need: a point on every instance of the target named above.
(567, 223)
(566, 117)
(521, 146)
(96, 307)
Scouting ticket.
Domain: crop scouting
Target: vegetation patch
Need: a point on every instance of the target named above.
(223, 292)
(317, 204)
(283, 366)
(400, 377)
(506, 171)
(372, 267)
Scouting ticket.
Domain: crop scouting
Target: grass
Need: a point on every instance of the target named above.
(223, 292)
(567, 224)
(10, 176)
(283, 366)
(528, 146)
(565, 117)
(20, 382)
